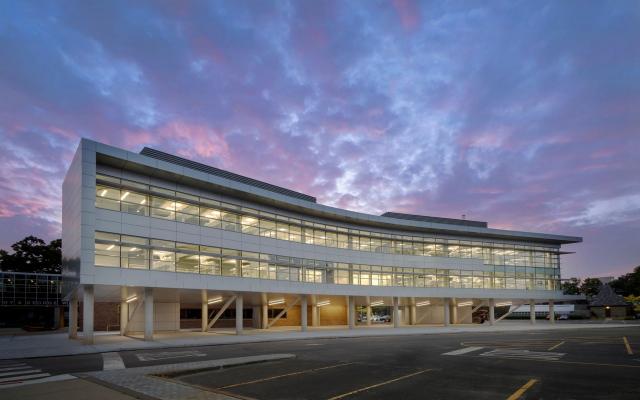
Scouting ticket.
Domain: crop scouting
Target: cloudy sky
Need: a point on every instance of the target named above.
(524, 114)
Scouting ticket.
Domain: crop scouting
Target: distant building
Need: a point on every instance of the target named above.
(608, 304)
(31, 301)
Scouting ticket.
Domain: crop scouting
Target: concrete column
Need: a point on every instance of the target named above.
(315, 314)
(265, 315)
(148, 313)
(492, 312)
(532, 311)
(204, 310)
(303, 313)
(124, 310)
(552, 313)
(351, 312)
(87, 314)
(396, 312)
(255, 320)
(412, 314)
(369, 315)
(454, 311)
(73, 315)
(239, 307)
(447, 311)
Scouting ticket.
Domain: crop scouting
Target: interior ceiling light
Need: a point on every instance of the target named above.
(124, 196)
(143, 201)
(214, 300)
(132, 298)
(277, 301)
(103, 193)
(504, 304)
(323, 303)
(423, 303)
(377, 303)
(465, 303)
(110, 247)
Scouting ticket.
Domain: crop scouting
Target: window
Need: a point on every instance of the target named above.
(210, 265)
(163, 208)
(163, 260)
(210, 217)
(134, 203)
(107, 255)
(107, 197)
(187, 263)
(134, 257)
(230, 267)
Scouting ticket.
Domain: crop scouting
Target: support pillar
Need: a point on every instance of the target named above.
(351, 312)
(396, 312)
(412, 313)
(492, 312)
(87, 314)
(303, 313)
(148, 313)
(454, 311)
(264, 320)
(124, 310)
(315, 315)
(73, 315)
(552, 313)
(447, 311)
(532, 311)
(239, 307)
(369, 316)
(204, 310)
(58, 317)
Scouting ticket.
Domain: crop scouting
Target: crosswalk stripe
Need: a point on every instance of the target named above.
(20, 378)
(14, 368)
(30, 371)
(54, 378)
(111, 361)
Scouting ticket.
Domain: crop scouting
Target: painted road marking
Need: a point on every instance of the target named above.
(23, 366)
(627, 345)
(31, 371)
(463, 350)
(21, 378)
(111, 361)
(556, 346)
(341, 396)
(165, 355)
(270, 378)
(64, 377)
(518, 393)
(523, 354)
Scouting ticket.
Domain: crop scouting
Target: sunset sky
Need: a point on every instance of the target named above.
(525, 114)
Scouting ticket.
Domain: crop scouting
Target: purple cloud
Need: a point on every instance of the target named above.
(524, 115)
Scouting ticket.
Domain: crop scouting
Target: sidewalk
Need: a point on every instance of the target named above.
(64, 390)
(57, 344)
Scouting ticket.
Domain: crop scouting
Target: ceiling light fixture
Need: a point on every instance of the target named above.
(132, 298)
(465, 303)
(376, 303)
(124, 196)
(103, 193)
(423, 303)
(277, 301)
(111, 247)
(504, 304)
(323, 303)
(214, 300)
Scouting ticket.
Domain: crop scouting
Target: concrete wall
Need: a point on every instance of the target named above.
(166, 317)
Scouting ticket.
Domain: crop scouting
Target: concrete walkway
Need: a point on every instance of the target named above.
(57, 344)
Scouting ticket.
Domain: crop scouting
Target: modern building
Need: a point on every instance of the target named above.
(166, 244)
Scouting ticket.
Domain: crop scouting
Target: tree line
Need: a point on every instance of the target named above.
(33, 254)
(626, 285)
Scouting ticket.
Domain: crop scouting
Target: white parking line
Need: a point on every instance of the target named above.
(463, 350)
(111, 361)
(523, 355)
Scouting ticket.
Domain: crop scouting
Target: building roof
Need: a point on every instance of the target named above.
(439, 220)
(607, 297)
(161, 155)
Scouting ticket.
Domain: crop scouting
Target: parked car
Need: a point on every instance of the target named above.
(385, 318)
(563, 317)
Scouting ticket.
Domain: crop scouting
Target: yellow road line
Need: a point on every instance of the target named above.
(627, 345)
(284, 375)
(341, 396)
(555, 346)
(518, 393)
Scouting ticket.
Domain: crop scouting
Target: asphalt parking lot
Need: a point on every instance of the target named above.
(577, 364)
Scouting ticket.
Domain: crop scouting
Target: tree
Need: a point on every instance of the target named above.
(571, 286)
(590, 286)
(628, 284)
(32, 254)
(635, 300)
